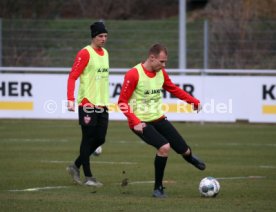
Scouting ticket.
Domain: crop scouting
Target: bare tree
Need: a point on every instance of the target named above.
(234, 42)
(107, 9)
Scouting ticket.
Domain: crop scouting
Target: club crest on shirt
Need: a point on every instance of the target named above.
(86, 119)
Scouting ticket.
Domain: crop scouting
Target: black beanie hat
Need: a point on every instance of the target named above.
(97, 28)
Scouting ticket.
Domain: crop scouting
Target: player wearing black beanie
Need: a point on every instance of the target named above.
(97, 28)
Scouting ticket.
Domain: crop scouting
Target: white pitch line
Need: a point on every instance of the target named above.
(129, 142)
(268, 167)
(99, 162)
(142, 182)
(218, 178)
(230, 144)
(108, 162)
(240, 178)
(36, 140)
(39, 188)
(151, 182)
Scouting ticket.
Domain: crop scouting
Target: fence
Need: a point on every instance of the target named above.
(213, 45)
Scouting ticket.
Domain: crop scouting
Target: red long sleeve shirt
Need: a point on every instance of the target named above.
(78, 67)
(130, 83)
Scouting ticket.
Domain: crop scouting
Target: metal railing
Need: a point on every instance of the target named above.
(66, 70)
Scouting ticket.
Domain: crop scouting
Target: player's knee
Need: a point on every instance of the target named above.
(164, 150)
(187, 152)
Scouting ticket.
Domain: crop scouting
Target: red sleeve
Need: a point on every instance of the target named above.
(79, 65)
(178, 92)
(129, 85)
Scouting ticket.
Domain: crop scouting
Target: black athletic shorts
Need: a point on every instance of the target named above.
(161, 132)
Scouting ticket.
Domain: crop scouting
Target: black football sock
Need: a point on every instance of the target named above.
(78, 162)
(159, 165)
(192, 159)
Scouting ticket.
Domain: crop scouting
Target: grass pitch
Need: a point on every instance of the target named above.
(34, 154)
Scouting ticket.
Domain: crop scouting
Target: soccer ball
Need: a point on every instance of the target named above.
(209, 187)
(98, 151)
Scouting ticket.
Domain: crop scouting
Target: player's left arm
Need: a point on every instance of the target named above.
(179, 93)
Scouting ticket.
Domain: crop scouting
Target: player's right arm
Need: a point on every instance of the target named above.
(128, 87)
(79, 65)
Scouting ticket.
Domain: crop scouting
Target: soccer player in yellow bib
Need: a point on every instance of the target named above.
(91, 65)
(140, 101)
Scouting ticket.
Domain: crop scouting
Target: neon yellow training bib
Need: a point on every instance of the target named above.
(94, 81)
(146, 100)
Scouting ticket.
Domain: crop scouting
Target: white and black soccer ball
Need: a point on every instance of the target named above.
(98, 151)
(209, 187)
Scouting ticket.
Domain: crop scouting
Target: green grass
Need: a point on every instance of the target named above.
(27, 148)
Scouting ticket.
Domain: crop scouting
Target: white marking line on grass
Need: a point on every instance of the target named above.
(37, 140)
(151, 182)
(39, 188)
(99, 162)
(240, 178)
(244, 144)
(129, 142)
(268, 167)
(108, 162)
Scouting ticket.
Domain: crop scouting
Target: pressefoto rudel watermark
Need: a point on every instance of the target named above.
(209, 107)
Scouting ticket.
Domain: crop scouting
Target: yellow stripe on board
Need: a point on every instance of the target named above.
(177, 108)
(269, 109)
(12, 105)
